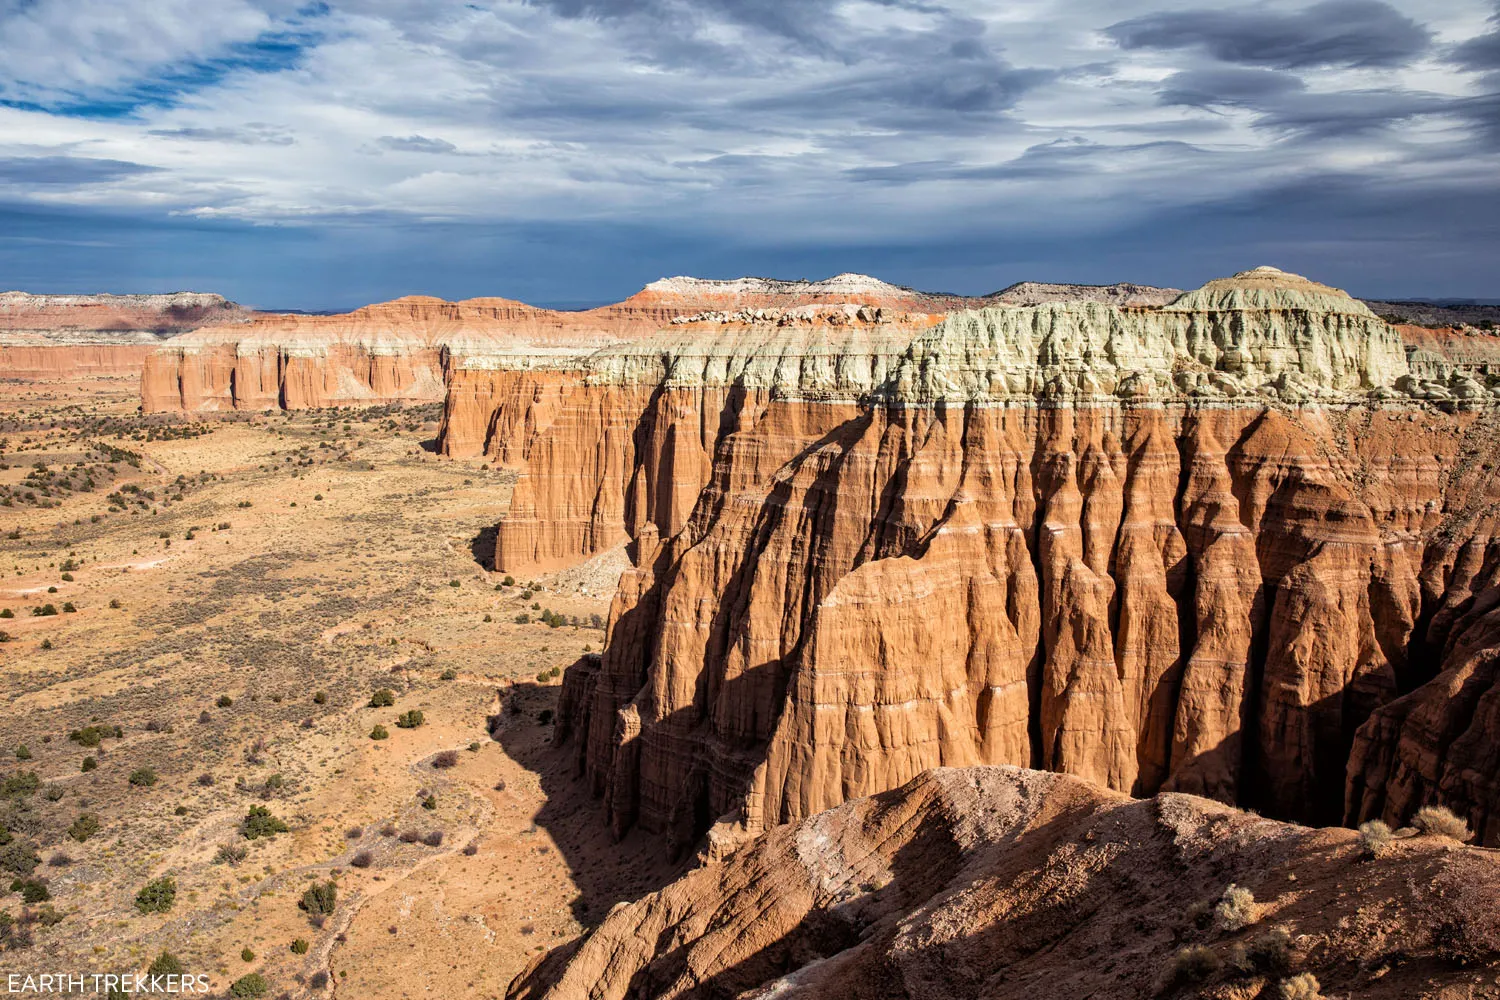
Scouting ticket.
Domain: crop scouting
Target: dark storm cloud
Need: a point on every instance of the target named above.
(1204, 88)
(66, 171)
(1481, 53)
(1360, 33)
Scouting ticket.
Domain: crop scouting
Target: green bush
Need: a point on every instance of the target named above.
(260, 823)
(23, 752)
(166, 964)
(319, 899)
(89, 764)
(84, 827)
(157, 896)
(300, 946)
(523, 619)
(319, 698)
(92, 735)
(448, 675)
(224, 701)
(142, 777)
(249, 986)
(33, 891)
(19, 784)
(410, 719)
(380, 733)
(383, 698)
(246, 955)
(19, 857)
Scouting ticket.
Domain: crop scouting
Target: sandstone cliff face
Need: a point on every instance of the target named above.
(1184, 548)
(53, 336)
(1002, 883)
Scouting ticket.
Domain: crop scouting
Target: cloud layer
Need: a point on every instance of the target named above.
(774, 132)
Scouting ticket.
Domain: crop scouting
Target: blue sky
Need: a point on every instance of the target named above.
(323, 155)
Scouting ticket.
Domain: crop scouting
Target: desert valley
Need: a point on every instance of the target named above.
(755, 639)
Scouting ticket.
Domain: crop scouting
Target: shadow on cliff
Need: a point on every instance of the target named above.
(482, 547)
(605, 871)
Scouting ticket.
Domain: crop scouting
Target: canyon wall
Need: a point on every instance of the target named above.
(60, 336)
(1214, 546)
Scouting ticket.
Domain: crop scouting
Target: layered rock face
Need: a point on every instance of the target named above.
(52, 336)
(1020, 885)
(1194, 548)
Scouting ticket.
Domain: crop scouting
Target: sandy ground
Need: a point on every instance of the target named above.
(349, 568)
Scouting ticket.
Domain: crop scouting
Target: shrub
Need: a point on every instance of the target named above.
(410, 836)
(544, 717)
(59, 860)
(434, 839)
(509, 581)
(388, 830)
(224, 701)
(471, 848)
(320, 698)
(46, 643)
(383, 698)
(380, 733)
(362, 859)
(523, 619)
(230, 854)
(88, 764)
(319, 898)
(1303, 987)
(354, 833)
(33, 891)
(299, 946)
(19, 856)
(1462, 912)
(142, 777)
(166, 964)
(260, 823)
(246, 955)
(69, 608)
(157, 896)
(1437, 821)
(20, 784)
(1192, 964)
(429, 802)
(23, 752)
(447, 758)
(249, 986)
(448, 675)
(1374, 837)
(1267, 954)
(84, 827)
(1235, 909)
(205, 779)
(204, 717)
(410, 719)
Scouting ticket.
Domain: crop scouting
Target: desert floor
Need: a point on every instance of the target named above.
(238, 595)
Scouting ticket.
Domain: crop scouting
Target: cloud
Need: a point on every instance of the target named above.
(1204, 88)
(66, 171)
(252, 134)
(1361, 33)
(415, 144)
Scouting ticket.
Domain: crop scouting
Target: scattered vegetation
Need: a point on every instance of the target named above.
(320, 898)
(1437, 821)
(1303, 987)
(1374, 837)
(260, 823)
(143, 777)
(410, 719)
(1236, 908)
(157, 896)
(249, 986)
(383, 698)
(379, 732)
(84, 827)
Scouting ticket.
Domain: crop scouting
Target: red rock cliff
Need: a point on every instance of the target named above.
(1193, 548)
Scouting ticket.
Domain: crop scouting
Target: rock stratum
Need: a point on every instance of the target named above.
(407, 350)
(1007, 884)
(1240, 545)
(50, 336)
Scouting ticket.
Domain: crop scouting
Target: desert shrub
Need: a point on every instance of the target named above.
(205, 779)
(260, 823)
(54, 793)
(1462, 911)
(380, 733)
(447, 758)
(92, 735)
(1374, 837)
(320, 698)
(166, 964)
(383, 698)
(544, 717)
(509, 581)
(410, 836)
(1303, 987)
(434, 839)
(318, 980)
(84, 827)
(59, 859)
(205, 718)
(142, 777)
(19, 857)
(247, 955)
(1267, 954)
(249, 986)
(448, 675)
(319, 898)
(1192, 964)
(157, 896)
(23, 752)
(1235, 909)
(471, 848)
(523, 619)
(224, 701)
(300, 946)
(19, 784)
(33, 891)
(489, 618)
(1437, 821)
(230, 854)
(362, 859)
(388, 830)
(180, 811)
(354, 833)
(410, 719)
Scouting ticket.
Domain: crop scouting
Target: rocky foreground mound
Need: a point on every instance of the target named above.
(1001, 883)
(47, 336)
(1241, 545)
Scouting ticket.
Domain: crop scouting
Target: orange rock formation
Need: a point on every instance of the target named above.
(1194, 547)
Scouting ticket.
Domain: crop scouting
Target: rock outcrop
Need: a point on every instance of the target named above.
(59, 336)
(1019, 885)
(1185, 548)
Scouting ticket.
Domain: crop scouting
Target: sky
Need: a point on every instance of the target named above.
(565, 152)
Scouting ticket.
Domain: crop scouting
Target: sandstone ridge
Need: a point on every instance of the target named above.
(1196, 548)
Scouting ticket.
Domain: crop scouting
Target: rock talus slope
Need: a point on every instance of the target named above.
(1213, 546)
(1001, 883)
